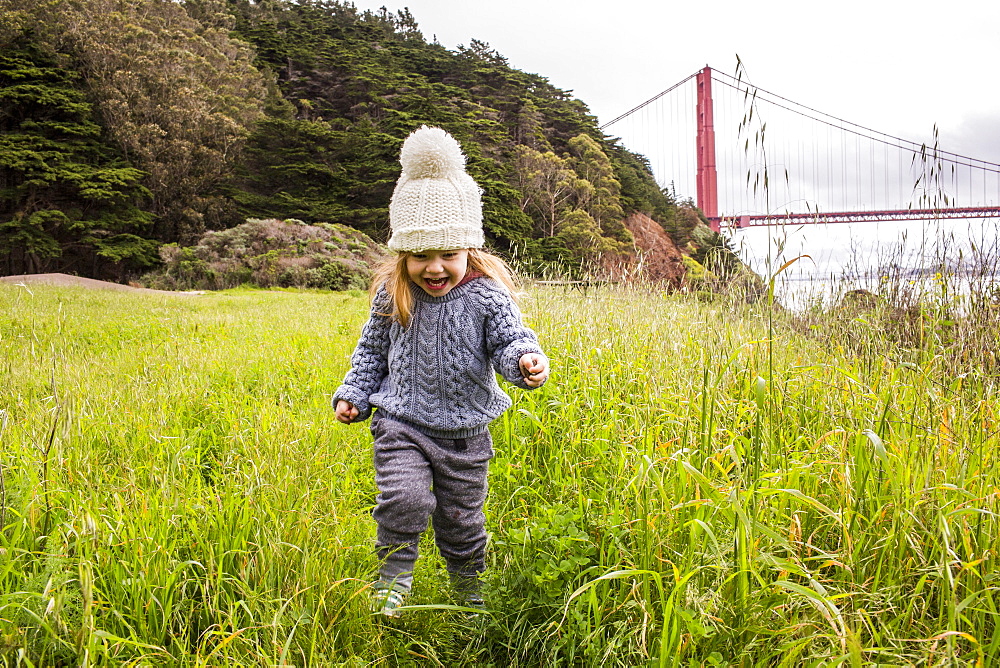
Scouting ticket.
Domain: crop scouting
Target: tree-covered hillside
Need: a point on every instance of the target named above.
(127, 124)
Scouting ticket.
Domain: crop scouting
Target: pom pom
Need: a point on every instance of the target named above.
(430, 153)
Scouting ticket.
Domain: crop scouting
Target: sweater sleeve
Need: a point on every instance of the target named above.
(508, 338)
(370, 359)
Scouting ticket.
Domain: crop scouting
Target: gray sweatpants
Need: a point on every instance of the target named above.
(421, 477)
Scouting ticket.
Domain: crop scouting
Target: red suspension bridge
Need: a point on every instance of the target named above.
(786, 163)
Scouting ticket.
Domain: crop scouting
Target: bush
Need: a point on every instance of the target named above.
(270, 253)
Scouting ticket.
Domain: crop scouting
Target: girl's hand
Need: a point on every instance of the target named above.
(346, 412)
(534, 368)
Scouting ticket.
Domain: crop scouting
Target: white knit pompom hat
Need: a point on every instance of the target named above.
(436, 205)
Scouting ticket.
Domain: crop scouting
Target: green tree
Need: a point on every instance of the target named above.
(639, 190)
(68, 201)
(602, 200)
(580, 234)
(177, 95)
(313, 170)
(548, 186)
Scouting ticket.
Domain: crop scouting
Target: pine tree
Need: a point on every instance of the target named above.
(68, 201)
(176, 94)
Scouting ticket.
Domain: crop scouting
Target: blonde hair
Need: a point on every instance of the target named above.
(393, 276)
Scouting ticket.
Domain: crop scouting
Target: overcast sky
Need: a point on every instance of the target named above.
(897, 67)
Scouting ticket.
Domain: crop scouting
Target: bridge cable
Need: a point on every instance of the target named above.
(648, 102)
(914, 146)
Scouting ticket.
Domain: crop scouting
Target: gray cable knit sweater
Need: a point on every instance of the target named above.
(437, 373)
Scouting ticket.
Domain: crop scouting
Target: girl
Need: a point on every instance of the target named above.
(443, 321)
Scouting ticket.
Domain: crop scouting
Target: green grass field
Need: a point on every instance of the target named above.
(699, 484)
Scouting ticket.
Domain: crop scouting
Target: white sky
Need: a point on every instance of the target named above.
(899, 67)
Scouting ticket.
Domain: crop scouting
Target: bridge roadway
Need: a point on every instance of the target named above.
(814, 217)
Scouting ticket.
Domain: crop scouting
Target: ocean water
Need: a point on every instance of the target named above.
(800, 293)
(817, 264)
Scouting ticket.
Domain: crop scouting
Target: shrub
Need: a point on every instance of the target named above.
(270, 253)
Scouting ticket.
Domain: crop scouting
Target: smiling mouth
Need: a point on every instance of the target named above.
(436, 283)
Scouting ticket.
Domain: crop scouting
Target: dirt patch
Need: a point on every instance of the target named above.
(65, 280)
(662, 259)
(656, 257)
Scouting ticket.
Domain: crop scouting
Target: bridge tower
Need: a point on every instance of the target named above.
(707, 184)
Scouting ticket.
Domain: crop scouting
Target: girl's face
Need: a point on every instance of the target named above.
(437, 271)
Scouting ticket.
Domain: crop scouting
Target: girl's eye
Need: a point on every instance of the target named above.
(419, 256)
(448, 256)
